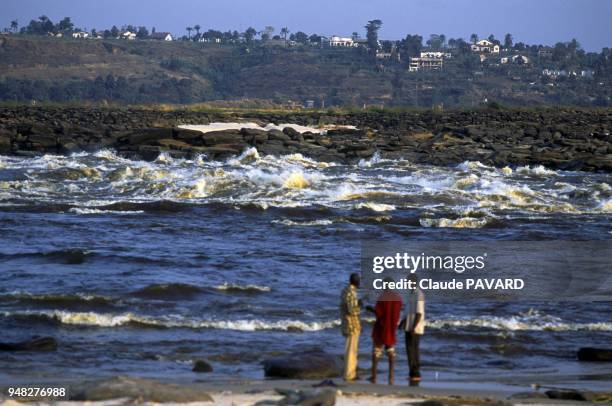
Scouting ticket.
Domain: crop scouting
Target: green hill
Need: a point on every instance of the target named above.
(139, 72)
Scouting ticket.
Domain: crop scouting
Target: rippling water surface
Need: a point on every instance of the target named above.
(139, 268)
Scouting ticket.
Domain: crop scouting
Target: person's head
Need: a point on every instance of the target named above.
(355, 280)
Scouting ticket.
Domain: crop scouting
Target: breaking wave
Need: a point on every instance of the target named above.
(104, 183)
(512, 323)
(232, 287)
(130, 319)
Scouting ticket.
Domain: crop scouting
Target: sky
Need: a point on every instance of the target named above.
(530, 21)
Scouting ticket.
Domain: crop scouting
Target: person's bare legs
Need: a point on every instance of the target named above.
(374, 366)
(391, 367)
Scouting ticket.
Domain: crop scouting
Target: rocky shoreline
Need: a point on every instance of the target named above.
(569, 139)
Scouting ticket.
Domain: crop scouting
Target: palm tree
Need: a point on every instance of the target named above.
(189, 29)
(197, 28)
(14, 25)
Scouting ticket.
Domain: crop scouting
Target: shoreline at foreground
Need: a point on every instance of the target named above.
(566, 139)
(310, 392)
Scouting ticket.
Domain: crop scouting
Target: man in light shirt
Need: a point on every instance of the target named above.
(414, 326)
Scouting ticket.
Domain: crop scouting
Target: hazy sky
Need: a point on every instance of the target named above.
(531, 21)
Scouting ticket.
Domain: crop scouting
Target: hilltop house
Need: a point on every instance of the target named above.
(80, 34)
(337, 41)
(388, 56)
(515, 59)
(429, 60)
(128, 35)
(485, 46)
(161, 36)
(436, 54)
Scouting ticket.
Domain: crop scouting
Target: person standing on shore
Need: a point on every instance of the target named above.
(388, 311)
(350, 309)
(414, 327)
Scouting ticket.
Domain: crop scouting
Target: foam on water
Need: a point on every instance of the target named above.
(297, 181)
(512, 323)
(94, 319)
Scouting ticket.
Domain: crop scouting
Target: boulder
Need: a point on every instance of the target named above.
(191, 136)
(276, 135)
(291, 132)
(202, 366)
(589, 354)
(138, 391)
(566, 395)
(221, 137)
(148, 135)
(254, 136)
(5, 142)
(35, 344)
(303, 365)
(173, 144)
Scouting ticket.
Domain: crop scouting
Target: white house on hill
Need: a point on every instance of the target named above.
(485, 46)
(80, 34)
(515, 59)
(128, 35)
(337, 41)
(161, 36)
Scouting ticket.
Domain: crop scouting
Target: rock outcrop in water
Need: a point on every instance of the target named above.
(561, 139)
(35, 344)
(589, 354)
(303, 365)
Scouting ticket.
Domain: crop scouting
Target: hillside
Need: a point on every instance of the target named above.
(129, 72)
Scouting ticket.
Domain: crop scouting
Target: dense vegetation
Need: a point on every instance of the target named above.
(288, 69)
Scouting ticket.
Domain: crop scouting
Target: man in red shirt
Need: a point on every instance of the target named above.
(388, 309)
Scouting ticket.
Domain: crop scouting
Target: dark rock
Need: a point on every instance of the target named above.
(35, 344)
(291, 132)
(595, 354)
(221, 137)
(149, 152)
(5, 142)
(566, 395)
(528, 395)
(303, 365)
(148, 135)
(138, 390)
(191, 136)
(276, 135)
(202, 366)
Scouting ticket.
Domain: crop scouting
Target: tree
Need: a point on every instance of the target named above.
(300, 37)
(46, 24)
(492, 38)
(189, 29)
(314, 39)
(249, 34)
(65, 25)
(284, 32)
(114, 31)
(412, 45)
(197, 28)
(267, 33)
(436, 41)
(508, 41)
(474, 38)
(372, 28)
(355, 36)
(14, 25)
(142, 33)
